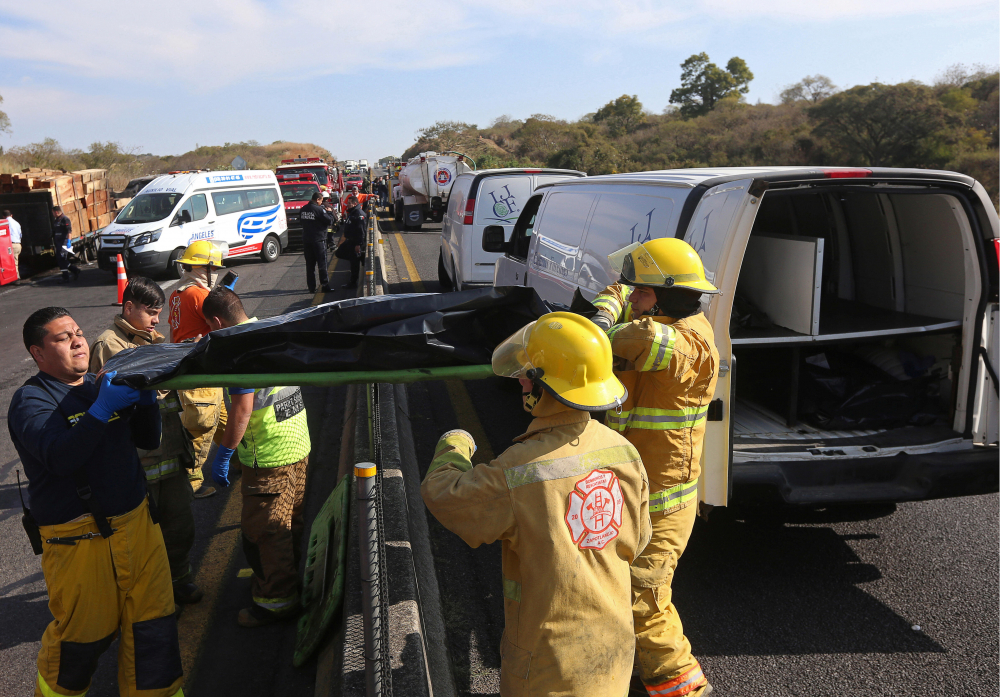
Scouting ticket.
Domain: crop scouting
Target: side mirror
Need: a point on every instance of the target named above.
(182, 218)
(494, 239)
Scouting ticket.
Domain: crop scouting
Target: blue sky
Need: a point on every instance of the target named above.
(361, 78)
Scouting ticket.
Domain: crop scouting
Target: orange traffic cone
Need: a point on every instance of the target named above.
(122, 279)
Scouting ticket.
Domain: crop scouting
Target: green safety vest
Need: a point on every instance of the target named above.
(278, 433)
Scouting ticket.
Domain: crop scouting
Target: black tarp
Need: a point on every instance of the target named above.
(382, 332)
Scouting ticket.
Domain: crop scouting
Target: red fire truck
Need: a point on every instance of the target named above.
(328, 176)
(296, 191)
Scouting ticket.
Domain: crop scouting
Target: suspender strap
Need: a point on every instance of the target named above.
(85, 494)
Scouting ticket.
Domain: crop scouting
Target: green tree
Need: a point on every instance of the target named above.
(622, 115)
(4, 120)
(811, 88)
(704, 84)
(882, 125)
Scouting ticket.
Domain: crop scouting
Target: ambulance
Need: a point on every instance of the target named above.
(243, 209)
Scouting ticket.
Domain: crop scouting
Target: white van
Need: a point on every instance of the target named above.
(243, 209)
(857, 320)
(479, 199)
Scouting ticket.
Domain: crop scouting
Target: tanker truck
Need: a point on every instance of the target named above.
(424, 185)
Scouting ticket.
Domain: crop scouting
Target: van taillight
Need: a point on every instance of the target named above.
(533, 171)
(845, 173)
(470, 208)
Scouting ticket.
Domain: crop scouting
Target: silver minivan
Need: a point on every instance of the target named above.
(857, 320)
(478, 200)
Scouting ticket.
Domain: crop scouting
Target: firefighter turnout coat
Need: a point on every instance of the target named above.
(570, 503)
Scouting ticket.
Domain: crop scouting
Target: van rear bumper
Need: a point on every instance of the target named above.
(900, 478)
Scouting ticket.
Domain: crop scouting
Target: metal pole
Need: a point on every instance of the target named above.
(364, 474)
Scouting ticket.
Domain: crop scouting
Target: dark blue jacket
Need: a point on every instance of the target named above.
(355, 226)
(314, 219)
(61, 227)
(54, 436)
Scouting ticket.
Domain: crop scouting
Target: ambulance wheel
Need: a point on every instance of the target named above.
(443, 278)
(173, 268)
(271, 249)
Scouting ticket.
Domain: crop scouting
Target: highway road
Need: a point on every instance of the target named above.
(219, 656)
(886, 600)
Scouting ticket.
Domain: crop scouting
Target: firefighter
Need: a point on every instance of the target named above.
(165, 466)
(105, 567)
(569, 500)
(202, 408)
(268, 431)
(665, 355)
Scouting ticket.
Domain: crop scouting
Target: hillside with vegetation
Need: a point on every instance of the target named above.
(951, 124)
(124, 164)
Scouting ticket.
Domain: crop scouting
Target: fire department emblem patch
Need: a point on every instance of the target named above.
(594, 510)
(443, 176)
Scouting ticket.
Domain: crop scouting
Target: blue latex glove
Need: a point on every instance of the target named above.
(147, 398)
(220, 465)
(111, 398)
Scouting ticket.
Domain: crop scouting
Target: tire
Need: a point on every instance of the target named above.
(443, 278)
(270, 250)
(173, 268)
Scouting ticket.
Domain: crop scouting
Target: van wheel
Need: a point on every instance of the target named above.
(271, 249)
(443, 272)
(173, 268)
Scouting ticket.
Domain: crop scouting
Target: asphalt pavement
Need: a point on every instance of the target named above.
(864, 600)
(219, 656)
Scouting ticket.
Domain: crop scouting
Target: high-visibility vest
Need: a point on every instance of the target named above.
(277, 433)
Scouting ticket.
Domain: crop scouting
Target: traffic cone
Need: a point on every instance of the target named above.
(122, 280)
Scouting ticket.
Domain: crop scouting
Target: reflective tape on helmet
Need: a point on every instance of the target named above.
(674, 496)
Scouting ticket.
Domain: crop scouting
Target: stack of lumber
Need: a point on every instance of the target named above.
(83, 195)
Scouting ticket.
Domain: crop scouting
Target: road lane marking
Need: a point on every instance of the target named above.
(468, 419)
(411, 269)
(331, 267)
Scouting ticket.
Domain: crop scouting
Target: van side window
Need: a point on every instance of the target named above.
(196, 206)
(259, 198)
(228, 202)
(521, 237)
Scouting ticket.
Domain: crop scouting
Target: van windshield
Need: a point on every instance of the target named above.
(148, 208)
(320, 172)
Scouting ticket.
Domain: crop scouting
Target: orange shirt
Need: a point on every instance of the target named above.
(186, 320)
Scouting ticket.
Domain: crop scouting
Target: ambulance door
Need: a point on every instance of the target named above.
(191, 221)
(718, 231)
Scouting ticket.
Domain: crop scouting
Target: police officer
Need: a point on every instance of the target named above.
(665, 355)
(103, 559)
(62, 230)
(267, 429)
(165, 466)
(569, 500)
(315, 221)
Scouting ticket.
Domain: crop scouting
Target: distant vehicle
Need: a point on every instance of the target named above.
(353, 180)
(857, 323)
(242, 209)
(327, 175)
(425, 183)
(350, 165)
(296, 191)
(478, 199)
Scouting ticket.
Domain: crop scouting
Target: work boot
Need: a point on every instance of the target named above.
(326, 289)
(256, 616)
(200, 490)
(186, 593)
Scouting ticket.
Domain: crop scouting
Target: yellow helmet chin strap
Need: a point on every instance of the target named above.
(532, 398)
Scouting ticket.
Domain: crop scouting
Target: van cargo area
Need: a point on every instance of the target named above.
(847, 327)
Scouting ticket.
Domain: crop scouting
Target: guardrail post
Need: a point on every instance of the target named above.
(371, 607)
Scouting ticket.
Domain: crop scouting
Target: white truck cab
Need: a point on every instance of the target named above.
(856, 324)
(244, 209)
(479, 199)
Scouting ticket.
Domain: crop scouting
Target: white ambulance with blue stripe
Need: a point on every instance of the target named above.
(244, 209)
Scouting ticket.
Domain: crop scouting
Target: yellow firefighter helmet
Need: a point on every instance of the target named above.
(666, 262)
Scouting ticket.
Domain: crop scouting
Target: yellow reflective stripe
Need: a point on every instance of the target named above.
(570, 466)
(179, 693)
(653, 419)
(168, 407)
(49, 692)
(511, 590)
(661, 350)
(674, 496)
(276, 604)
(159, 469)
(615, 328)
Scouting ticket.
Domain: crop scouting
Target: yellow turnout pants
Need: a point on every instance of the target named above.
(98, 588)
(204, 416)
(665, 662)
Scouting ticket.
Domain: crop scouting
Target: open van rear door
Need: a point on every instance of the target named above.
(719, 229)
